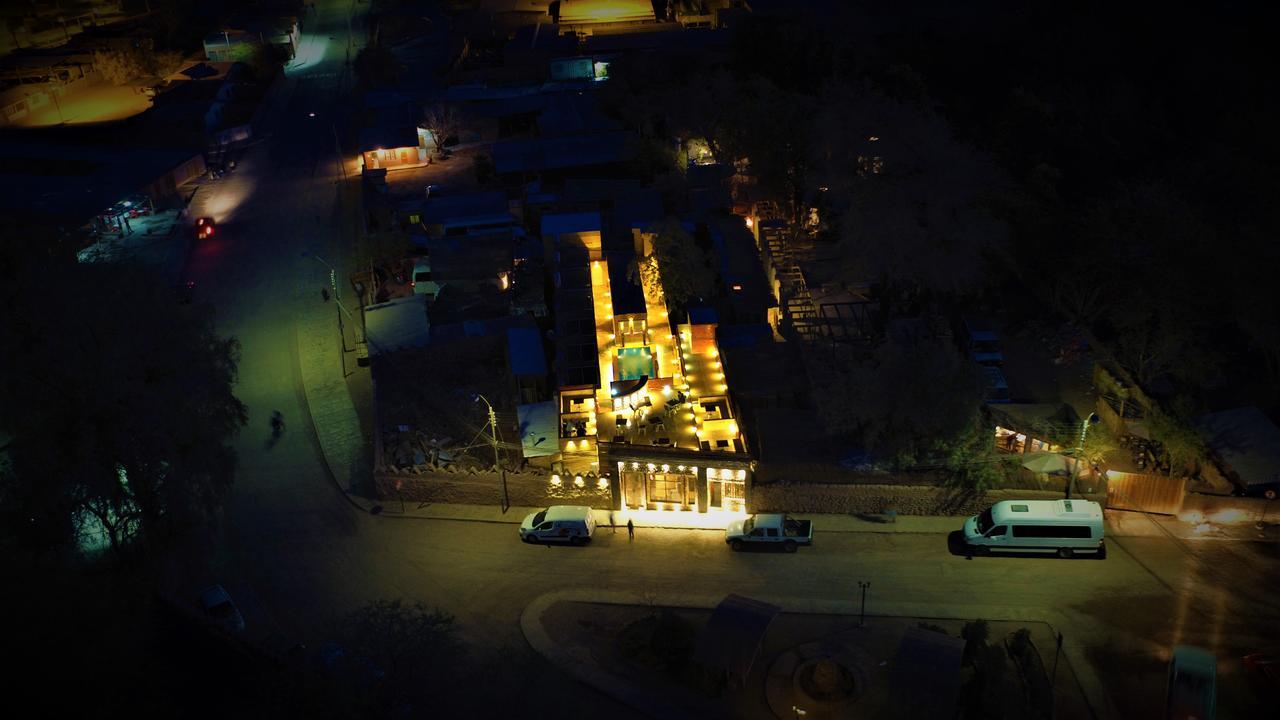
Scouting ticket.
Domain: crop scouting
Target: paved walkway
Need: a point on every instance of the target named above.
(584, 668)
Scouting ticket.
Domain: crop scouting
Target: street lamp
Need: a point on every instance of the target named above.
(333, 289)
(493, 435)
(1084, 432)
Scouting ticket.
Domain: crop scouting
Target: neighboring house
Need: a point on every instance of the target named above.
(397, 324)
(393, 147)
(520, 158)
(448, 215)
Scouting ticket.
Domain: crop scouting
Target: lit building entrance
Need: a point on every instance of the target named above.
(659, 487)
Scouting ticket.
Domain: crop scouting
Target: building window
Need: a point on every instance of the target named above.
(666, 487)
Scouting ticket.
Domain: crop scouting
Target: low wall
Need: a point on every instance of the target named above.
(875, 499)
(485, 488)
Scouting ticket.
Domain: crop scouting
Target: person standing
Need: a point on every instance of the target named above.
(631, 531)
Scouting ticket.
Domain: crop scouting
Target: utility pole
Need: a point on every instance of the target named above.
(862, 618)
(1053, 683)
(497, 460)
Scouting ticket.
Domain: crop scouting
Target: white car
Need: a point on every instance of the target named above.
(219, 607)
(559, 523)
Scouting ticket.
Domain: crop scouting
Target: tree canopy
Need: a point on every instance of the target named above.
(675, 268)
(125, 408)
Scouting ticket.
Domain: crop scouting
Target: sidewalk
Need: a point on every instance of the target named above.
(1119, 523)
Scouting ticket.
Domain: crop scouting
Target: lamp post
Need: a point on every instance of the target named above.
(862, 616)
(497, 461)
(1084, 432)
(333, 290)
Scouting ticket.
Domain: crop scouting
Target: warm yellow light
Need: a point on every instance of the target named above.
(578, 481)
(555, 480)
(666, 468)
(742, 474)
(750, 222)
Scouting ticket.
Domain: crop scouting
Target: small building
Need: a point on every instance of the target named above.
(240, 43)
(397, 324)
(478, 213)
(391, 147)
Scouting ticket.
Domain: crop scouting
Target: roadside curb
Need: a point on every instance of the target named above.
(582, 666)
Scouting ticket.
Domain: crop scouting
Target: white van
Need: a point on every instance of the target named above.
(421, 279)
(1065, 527)
(574, 524)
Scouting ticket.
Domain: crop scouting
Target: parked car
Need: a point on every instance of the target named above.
(1065, 527)
(219, 607)
(769, 529)
(1193, 685)
(204, 227)
(573, 524)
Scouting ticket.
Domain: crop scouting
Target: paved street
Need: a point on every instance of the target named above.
(297, 555)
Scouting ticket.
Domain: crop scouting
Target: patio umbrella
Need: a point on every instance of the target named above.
(1046, 462)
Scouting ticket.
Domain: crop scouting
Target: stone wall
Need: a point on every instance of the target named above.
(528, 489)
(876, 499)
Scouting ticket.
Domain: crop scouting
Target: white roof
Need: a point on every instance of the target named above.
(1013, 510)
(567, 512)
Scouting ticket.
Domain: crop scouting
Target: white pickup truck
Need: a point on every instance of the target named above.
(769, 528)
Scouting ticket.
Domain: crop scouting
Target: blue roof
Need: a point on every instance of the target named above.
(560, 223)
(524, 351)
(728, 336)
(470, 206)
(388, 136)
(702, 315)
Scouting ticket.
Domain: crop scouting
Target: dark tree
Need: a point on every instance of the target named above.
(120, 407)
